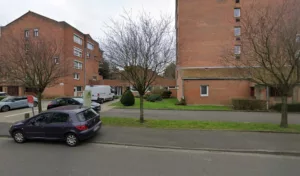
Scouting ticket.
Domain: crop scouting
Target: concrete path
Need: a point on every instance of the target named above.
(229, 116)
(273, 143)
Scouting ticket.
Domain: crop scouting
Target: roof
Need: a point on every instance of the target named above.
(48, 19)
(69, 109)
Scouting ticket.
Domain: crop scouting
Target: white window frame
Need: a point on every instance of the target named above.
(237, 49)
(90, 44)
(36, 32)
(78, 65)
(207, 91)
(76, 76)
(26, 33)
(237, 31)
(77, 52)
(237, 12)
(56, 60)
(77, 39)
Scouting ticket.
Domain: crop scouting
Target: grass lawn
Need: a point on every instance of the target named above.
(170, 104)
(200, 125)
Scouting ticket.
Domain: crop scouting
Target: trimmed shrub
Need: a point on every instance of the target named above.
(182, 102)
(127, 98)
(154, 98)
(295, 107)
(166, 94)
(248, 104)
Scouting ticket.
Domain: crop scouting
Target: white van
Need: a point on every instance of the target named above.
(100, 93)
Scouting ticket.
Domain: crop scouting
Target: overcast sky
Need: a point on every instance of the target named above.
(88, 16)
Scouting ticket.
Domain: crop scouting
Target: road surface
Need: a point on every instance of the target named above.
(46, 159)
(228, 116)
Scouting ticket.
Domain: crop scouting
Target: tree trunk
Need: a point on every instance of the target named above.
(284, 113)
(39, 96)
(141, 108)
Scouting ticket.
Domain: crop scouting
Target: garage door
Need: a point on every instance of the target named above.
(13, 90)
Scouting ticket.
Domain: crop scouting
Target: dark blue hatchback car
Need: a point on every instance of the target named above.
(68, 123)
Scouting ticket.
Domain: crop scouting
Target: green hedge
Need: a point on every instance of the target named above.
(127, 98)
(248, 104)
(154, 98)
(166, 94)
(295, 107)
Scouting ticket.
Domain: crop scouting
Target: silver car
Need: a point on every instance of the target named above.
(13, 102)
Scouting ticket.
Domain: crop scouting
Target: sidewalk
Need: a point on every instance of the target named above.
(252, 142)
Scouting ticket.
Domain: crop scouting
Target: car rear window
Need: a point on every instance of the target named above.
(86, 115)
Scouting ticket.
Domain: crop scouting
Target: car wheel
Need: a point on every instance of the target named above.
(71, 140)
(5, 108)
(35, 104)
(19, 137)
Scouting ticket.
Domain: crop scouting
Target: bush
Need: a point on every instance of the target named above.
(116, 97)
(248, 104)
(1, 98)
(146, 96)
(127, 98)
(295, 107)
(182, 102)
(154, 98)
(166, 94)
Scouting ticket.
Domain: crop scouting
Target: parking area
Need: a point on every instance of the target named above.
(18, 114)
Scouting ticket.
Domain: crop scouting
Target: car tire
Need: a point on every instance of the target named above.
(35, 104)
(19, 137)
(5, 108)
(71, 139)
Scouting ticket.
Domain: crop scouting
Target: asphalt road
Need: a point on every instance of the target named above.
(229, 116)
(35, 159)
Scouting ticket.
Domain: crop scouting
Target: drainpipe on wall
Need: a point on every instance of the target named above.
(267, 97)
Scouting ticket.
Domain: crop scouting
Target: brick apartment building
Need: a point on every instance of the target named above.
(203, 27)
(78, 48)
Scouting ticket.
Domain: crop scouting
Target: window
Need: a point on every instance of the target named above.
(59, 118)
(79, 88)
(237, 31)
(77, 52)
(40, 119)
(90, 46)
(237, 12)
(61, 101)
(77, 39)
(298, 38)
(237, 1)
(36, 32)
(237, 20)
(252, 91)
(87, 55)
(76, 76)
(204, 90)
(237, 49)
(77, 65)
(274, 92)
(94, 78)
(56, 60)
(26, 33)
(72, 102)
(86, 115)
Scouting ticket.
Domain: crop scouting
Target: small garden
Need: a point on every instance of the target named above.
(161, 99)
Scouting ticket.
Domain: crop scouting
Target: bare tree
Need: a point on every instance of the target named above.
(170, 71)
(270, 45)
(140, 47)
(33, 62)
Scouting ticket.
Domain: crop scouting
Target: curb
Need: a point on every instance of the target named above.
(265, 152)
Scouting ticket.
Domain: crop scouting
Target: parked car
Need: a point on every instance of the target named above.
(3, 94)
(101, 93)
(15, 102)
(71, 101)
(67, 123)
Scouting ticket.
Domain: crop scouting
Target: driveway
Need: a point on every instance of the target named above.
(18, 114)
(229, 116)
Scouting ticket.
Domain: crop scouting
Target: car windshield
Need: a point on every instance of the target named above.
(80, 100)
(86, 115)
(6, 99)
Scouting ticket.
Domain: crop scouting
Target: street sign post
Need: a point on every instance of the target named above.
(30, 102)
(87, 98)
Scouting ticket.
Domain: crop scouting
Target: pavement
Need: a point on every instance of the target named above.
(227, 141)
(48, 159)
(228, 116)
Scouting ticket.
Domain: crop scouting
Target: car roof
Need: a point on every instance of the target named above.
(74, 109)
